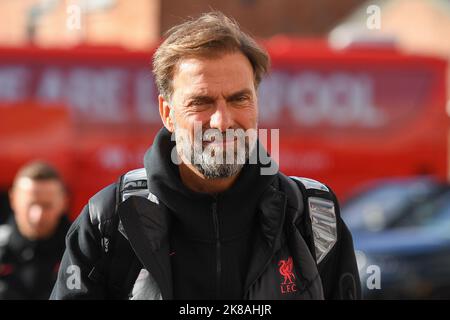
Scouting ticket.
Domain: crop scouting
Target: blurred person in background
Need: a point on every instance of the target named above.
(32, 240)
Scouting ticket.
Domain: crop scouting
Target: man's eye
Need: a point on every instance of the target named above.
(242, 99)
(199, 103)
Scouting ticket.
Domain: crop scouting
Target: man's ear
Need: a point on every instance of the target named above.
(164, 112)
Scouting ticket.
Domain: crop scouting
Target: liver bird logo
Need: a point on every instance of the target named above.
(286, 270)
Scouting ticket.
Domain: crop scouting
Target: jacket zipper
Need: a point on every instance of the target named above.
(218, 260)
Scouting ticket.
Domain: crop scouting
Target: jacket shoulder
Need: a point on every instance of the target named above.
(102, 206)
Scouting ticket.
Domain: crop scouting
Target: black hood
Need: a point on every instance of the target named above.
(193, 209)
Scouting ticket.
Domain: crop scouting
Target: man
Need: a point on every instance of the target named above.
(32, 240)
(194, 226)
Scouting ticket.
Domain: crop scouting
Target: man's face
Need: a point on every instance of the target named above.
(37, 206)
(216, 95)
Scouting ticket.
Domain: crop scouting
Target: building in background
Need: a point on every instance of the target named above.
(413, 26)
(132, 23)
(139, 24)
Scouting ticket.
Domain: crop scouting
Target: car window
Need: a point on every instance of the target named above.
(434, 214)
(378, 207)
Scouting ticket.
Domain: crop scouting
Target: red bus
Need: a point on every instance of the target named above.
(344, 117)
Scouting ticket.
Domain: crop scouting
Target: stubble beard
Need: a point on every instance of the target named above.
(213, 161)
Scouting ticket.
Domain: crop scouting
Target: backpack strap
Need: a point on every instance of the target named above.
(118, 267)
(134, 183)
(102, 208)
(320, 215)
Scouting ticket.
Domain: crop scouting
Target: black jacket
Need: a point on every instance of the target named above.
(279, 252)
(28, 269)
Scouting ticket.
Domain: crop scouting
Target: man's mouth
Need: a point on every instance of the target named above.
(219, 142)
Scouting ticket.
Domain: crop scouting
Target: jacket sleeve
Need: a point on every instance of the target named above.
(339, 271)
(83, 251)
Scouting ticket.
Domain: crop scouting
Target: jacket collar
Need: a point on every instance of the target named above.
(272, 210)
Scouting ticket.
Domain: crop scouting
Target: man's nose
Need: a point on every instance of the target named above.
(221, 119)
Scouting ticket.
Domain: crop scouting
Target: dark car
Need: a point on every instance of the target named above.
(379, 204)
(411, 258)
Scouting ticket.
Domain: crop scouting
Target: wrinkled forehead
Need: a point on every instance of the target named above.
(216, 75)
